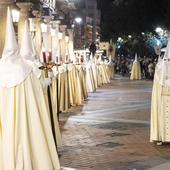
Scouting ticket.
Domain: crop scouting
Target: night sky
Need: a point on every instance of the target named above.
(123, 17)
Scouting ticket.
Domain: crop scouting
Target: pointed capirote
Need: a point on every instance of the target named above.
(13, 70)
(26, 50)
(11, 46)
(136, 57)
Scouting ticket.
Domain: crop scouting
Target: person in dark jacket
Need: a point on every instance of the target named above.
(92, 49)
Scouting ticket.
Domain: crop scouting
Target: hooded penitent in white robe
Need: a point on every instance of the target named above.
(110, 69)
(136, 70)
(160, 108)
(90, 78)
(99, 76)
(28, 53)
(26, 140)
(82, 75)
(104, 73)
(71, 82)
(95, 74)
(63, 88)
(79, 81)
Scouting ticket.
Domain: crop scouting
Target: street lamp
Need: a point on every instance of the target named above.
(159, 30)
(77, 29)
(78, 20)
(15, 12)
(120, 39)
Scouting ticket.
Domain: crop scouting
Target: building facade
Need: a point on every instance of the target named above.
(89, 30)
(38, 10)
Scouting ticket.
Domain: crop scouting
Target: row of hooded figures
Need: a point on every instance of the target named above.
(30, 105)
(30, 102)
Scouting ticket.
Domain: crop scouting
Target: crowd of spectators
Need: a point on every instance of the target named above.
(123, 66)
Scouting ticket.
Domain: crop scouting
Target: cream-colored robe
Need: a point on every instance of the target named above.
(26, 140)
(81, 84)
(90, 79)
(71, 82)
(104, 74)
(136, 71)
(160, 113)
(82, 75)
(95, 74)
(110, 70)
(63, 89)
(99, 76)
(55, 105)
(53, 92)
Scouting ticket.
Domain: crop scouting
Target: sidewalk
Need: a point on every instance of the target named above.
(165, 166)
(111, 130)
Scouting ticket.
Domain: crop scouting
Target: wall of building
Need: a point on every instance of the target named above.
(89, 30)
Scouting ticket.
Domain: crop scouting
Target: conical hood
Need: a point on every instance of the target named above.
(136, 57)
(162, 71)
(13, 70)
(11, 47)
(26, 50)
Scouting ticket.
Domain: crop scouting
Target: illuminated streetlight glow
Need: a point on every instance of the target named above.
(158, 42)
(78, 20)
(129, 36)
(159, 30)
(120, 39)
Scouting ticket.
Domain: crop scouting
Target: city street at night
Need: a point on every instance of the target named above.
(84, 85)
(111, 131)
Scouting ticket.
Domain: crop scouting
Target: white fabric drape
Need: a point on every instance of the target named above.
(26, 139)
(136, 71)
(160, 109)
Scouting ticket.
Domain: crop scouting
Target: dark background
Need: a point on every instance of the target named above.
(124, 17)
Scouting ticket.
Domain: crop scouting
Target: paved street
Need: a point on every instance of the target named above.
(111, 130)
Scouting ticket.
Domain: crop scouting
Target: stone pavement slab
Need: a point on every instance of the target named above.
(165, 166)
(111, 130)
(66, 168)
